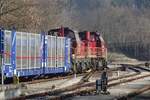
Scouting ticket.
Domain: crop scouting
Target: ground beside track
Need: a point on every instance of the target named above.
(57, 84)
(29, 89)
(120, 91)
(143, 96)
(39, 87)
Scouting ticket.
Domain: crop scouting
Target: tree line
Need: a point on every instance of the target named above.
(121, 22)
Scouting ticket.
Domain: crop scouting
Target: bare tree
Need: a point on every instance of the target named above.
(15, 13)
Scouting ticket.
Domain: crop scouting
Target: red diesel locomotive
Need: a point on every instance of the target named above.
(88, 49)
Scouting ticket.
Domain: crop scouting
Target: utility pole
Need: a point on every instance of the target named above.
(2, 70)
(2, 54)
(1, 47)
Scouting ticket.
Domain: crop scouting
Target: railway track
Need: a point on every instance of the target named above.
(88, 88)
(82, 83)
(60, 77)
(66, 77)
(42, 81)
(23, 84)
(86, 75)
(134, 93)
(52, 79)
(78, 88)
(141, 68)
(57, 91)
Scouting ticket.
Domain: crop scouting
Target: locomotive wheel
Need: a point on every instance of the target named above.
(104, 63)
(93, 67)
(97, 65)
(83, 66)
(79, 67)
(90, 65)
(87, 65)
(74, 68)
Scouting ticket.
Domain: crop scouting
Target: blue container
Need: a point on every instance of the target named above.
(36, 54)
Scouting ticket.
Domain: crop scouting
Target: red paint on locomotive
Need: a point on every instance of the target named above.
(86, 46)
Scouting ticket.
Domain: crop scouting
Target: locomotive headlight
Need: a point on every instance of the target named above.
(73, 56)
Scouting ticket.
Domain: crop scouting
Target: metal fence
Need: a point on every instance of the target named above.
(136, 50)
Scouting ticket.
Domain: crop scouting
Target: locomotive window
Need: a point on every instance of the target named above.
(92, 38)
(69, 35)
(53, 32)
(82, 35)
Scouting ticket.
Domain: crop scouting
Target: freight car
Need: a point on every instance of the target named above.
(88, 48)
(28, 54)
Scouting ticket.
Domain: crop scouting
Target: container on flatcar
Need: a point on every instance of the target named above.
(28, 54)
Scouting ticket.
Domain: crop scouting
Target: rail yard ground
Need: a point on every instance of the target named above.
(74, 50)
(133, 83)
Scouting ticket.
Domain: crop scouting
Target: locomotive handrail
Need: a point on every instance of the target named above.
(99, 51)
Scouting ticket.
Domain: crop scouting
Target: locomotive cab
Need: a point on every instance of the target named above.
(95, 49)
(64, 32)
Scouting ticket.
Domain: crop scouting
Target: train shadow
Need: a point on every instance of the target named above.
(35, 77)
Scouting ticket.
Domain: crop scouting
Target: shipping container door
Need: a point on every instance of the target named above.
(60, 51)
(67, 54)
(8, 70)
(51, 62)
(7, 47)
